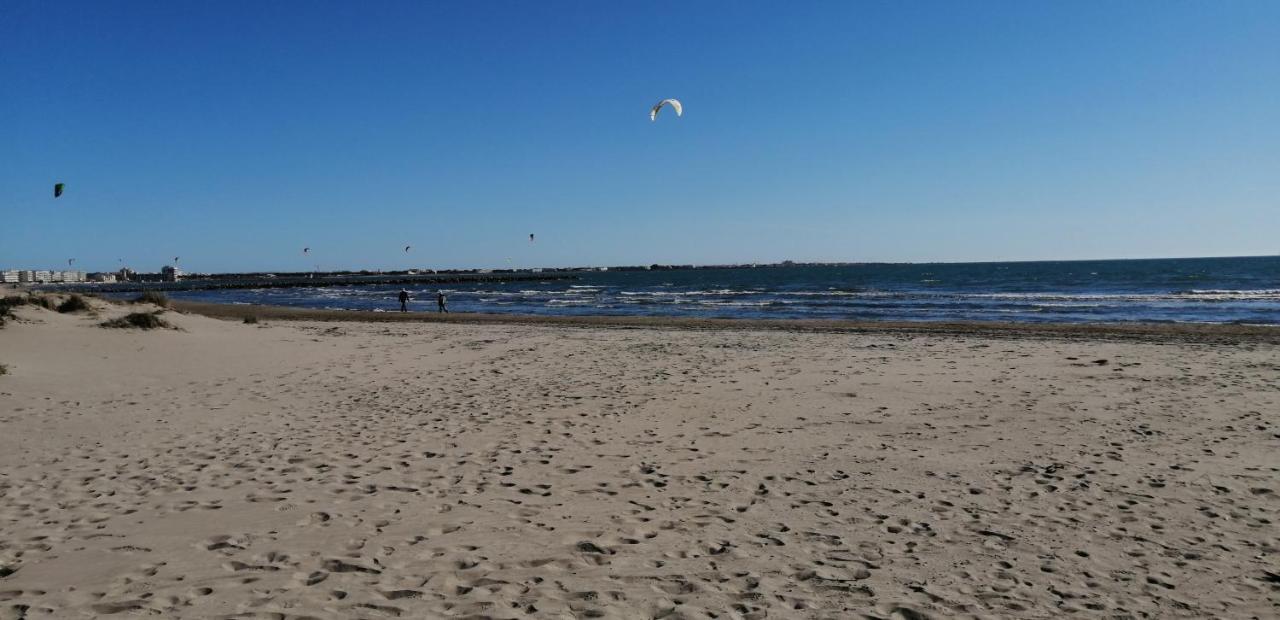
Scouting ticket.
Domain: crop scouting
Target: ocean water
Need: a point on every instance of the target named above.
(1202, 290)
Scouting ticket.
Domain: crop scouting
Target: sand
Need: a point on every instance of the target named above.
(331, 469)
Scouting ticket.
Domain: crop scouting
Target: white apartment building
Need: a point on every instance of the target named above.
(40, 276)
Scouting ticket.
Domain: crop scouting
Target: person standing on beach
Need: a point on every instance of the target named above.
(440, 307)
(404, 300)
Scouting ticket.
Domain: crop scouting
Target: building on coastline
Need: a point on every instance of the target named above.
(68, 277)
(105, 278)
(169, 273)
(126, 275)
(40, 276)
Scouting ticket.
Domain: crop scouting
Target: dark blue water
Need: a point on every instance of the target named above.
(1206, 290)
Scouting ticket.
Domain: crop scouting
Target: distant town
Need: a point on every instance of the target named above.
(71, 276)
(169, 273)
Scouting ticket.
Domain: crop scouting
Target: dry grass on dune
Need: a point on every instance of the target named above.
(48, 302)
(7, 304)
(154, 298)
(138, 320)
(74, 303)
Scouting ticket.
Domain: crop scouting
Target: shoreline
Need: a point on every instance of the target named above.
(1179, 332)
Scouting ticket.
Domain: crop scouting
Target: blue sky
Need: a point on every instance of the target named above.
(236, 133)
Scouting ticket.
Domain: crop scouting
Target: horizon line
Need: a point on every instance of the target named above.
(698, 265)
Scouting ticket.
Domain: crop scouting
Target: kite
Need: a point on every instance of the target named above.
(306, 250)
(530, 237)
(674, 104)
(57, 189)
(406, 248)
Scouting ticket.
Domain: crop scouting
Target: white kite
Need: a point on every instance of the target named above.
(675, 105)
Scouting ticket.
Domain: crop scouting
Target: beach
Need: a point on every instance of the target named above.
(370, 465)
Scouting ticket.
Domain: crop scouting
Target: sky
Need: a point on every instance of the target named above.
(235, 133)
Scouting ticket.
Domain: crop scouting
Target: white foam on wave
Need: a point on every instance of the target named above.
(1261, 293)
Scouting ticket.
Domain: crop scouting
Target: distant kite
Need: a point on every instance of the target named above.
(306, 250)
(530, 237)
(175, 260)
(672, 103)
(70, 261)
(57, 189)
(406, 248)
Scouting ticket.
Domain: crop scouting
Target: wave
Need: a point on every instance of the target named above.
(816, 297)
(1261, 293)
(1181, 296)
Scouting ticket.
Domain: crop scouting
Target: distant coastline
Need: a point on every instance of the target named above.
(263, 281)
(546, 272)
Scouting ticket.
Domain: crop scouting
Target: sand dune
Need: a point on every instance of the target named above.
(299, 469)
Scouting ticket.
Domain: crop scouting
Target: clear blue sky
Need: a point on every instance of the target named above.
(236, 133)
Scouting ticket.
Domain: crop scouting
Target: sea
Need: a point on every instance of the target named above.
(1192, 290)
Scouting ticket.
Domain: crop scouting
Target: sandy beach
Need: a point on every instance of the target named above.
(312, 467)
